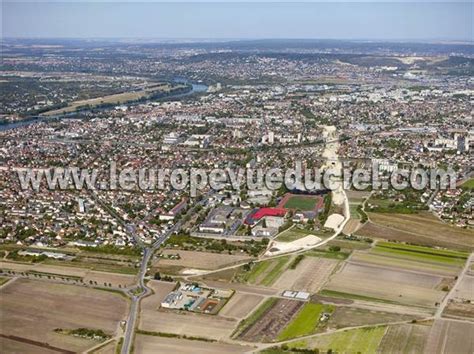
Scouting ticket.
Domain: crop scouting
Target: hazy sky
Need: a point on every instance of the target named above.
(405, 20)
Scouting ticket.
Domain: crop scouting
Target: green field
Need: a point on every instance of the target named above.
(421, 253)
(264, 273)
(3, 280)
(327, 254)
(306, 321)
(293, 234)
(363, 340)
(301, 203)
(469, 184)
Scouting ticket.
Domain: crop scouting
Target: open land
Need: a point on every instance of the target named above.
(450, 337)
(271, 320)
(263, 273)
(387, 284)
(87, 275)
(306, 322)
(422, 228)
(32, 310)
(186, 323)
(345, 316)
(145, 344)
(200, 260)
(309, 275)
(240, 305)
(405, 338)
(364, 340)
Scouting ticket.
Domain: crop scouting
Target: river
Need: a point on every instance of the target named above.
(196, 88)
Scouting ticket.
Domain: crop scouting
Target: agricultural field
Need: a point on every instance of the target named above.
(459, 310)
(423, 254)
(309, 275)
(241, 305)
(370, 283)
(345, 316)
(414, 258)
(450, 337)
(405, 338)
(306, 322)
(145, 344)
(263, 273)
(265, 324)
(27, 313)
(186, 323)
(41, 270)
(386, 260)
(108, 348)
(364, 340)
(21, 346)
(422, 228)
(197, 260)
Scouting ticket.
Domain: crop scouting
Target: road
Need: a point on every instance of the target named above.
(452, 292)
(147, 254)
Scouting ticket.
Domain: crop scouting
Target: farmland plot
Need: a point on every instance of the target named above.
(310, 275)
(403, 263)
(344, 316)
(406, 338)
(387, 284)
(200, 260)
(272, 321)
(364, 340)
(449, 337)
(32, 310)
(240, 305)
(150, 344)
(186, 323)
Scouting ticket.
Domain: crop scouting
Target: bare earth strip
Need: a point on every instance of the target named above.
(33, 309)
(150, 345)
(310, 275)
(240, 305)
(449, 337)
(378, 231)
(403, 287)
(352, 226)
(406, 338)
(465, 291)
(201, 260)
(190, 324)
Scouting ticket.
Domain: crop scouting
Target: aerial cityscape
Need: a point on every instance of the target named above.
(258, 194)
